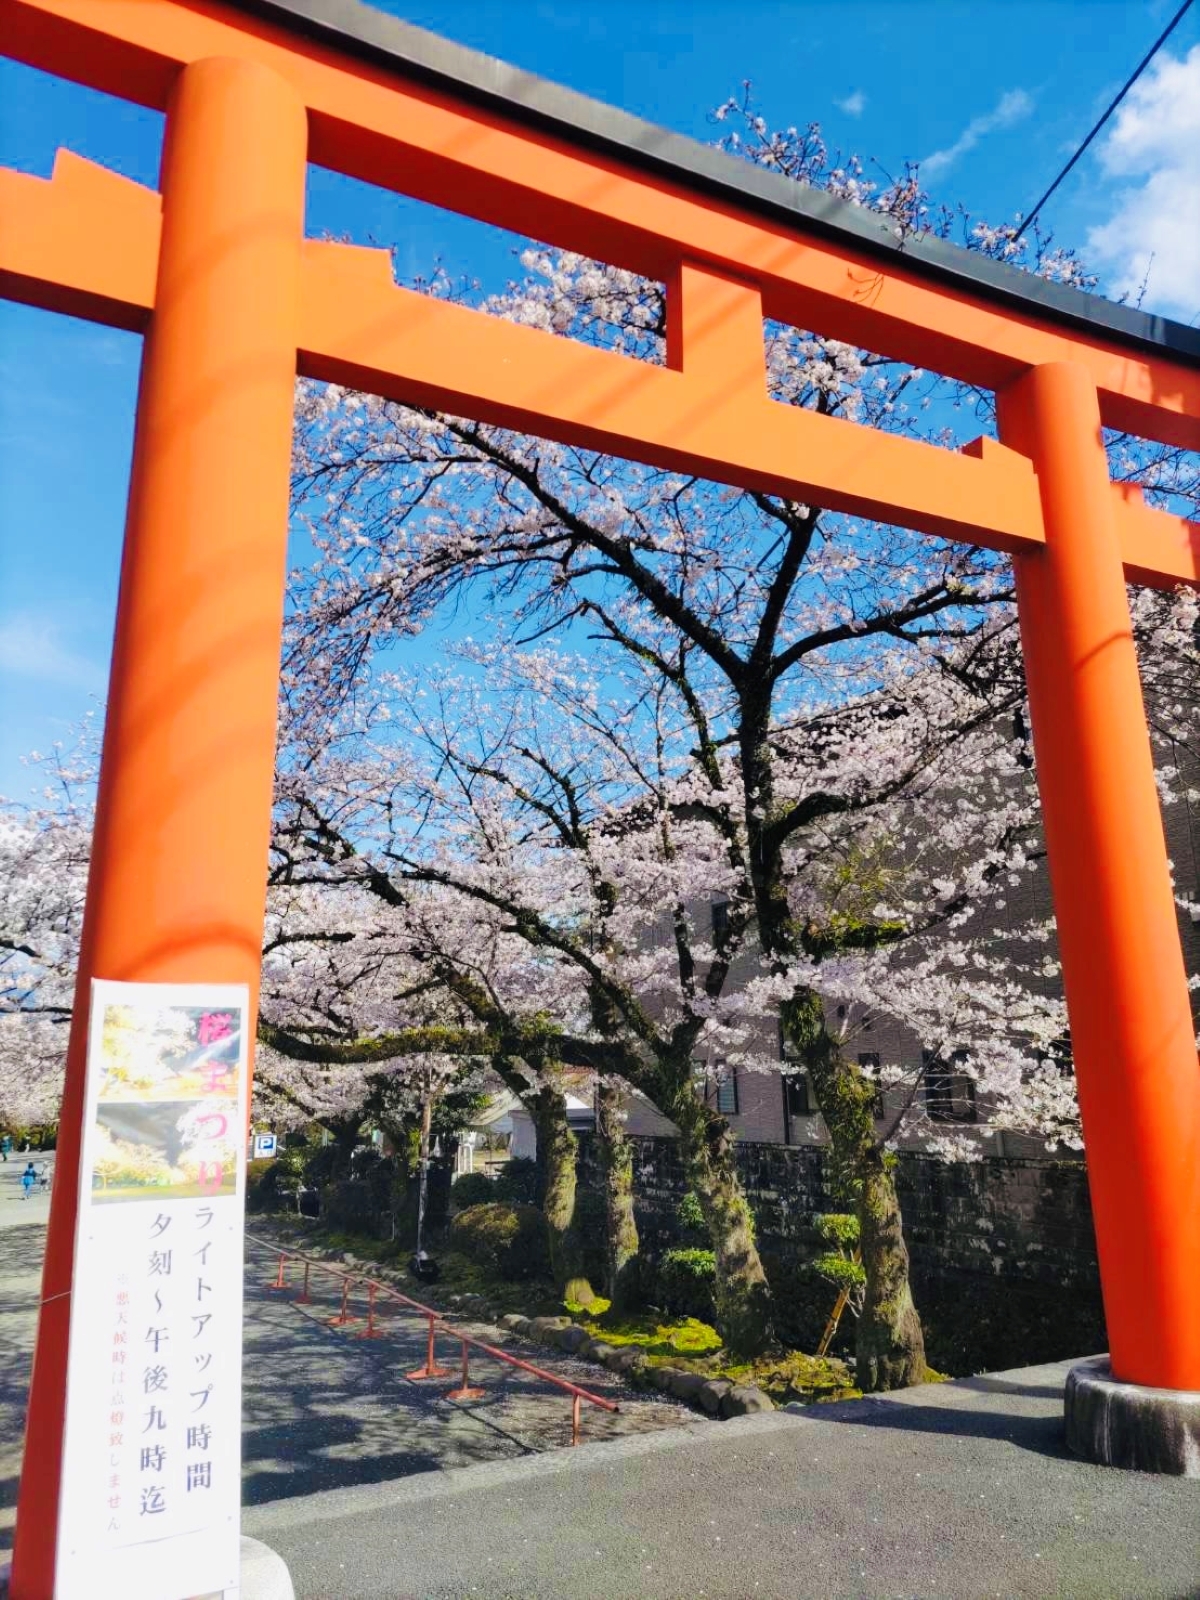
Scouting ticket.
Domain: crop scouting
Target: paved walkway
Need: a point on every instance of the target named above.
(948, 1492)
(325, 1408)
(22, 1238)
(322, 1408)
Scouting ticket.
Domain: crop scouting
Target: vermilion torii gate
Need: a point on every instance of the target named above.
(234, 301)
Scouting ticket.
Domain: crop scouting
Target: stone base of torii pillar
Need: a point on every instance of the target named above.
(1129, 1425)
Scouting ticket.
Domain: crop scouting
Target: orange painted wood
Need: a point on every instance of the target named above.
(359, 328)
(84, 242)
(1132, 1033)
(371, 124)
(179, 859)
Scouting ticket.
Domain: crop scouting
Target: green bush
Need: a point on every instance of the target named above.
(472, 1189)
(364, 1205)
(685, 1282)
(689, 1215)
(320, 1167)
(271, 1184)
(510, 1240)
(517, 1182)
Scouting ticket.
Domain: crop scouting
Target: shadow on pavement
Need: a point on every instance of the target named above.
(1042, 1435)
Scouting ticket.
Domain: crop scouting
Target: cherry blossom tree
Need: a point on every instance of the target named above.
(787, 616)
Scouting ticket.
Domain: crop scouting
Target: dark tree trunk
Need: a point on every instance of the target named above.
(890, 1343)
(557, 1149)
(345, 1141)
(741, 1292)
(616, 1160)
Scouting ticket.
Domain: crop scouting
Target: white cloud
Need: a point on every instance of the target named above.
(1153, 234)
(1012, 106)
(854, 104)
(31, 646)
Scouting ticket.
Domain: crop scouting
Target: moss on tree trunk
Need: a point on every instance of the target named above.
(890, 1351)
(616, 1161)
(741, 1292)
(557, 1148)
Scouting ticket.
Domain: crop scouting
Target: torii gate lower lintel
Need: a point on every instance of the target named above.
(234, 301)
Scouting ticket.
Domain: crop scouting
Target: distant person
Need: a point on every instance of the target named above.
(5, 1146)
(28, 1179)
(43, 1175)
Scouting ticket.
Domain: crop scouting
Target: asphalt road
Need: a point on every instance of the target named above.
(322, 1408)
(955, 1491)
(369, 1485)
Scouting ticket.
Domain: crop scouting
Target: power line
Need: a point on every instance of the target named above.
(1112, 106)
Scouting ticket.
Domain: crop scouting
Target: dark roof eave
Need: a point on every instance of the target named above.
(414, 53)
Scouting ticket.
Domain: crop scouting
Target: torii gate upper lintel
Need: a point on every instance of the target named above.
(233, 301)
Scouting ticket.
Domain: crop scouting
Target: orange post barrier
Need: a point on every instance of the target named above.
(371, 1331)
(576, 1407)
(280, 1276)
(431, 1368)
(177, 886)
(1131, 1023)
(344, 1315)
(304, 1298)
(465, 1390)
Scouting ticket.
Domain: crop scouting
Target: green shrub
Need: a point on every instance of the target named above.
(472, 1189)
(271, 1185)
(689, 1215)
(517, 1182)
(364, 1205)
(685, 1282)
(320, 1166)
(510, 1240)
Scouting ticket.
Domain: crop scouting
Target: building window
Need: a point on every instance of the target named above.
(869, 1061)
(949, 1091)
(1060, 1057)
(798, 1095)
(717, 1085)
(727, 1090)
(720, 918)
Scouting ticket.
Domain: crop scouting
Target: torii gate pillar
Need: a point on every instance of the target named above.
(1132, 1034)
(178, 876)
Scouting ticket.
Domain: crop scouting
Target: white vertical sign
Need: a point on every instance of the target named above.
(151, 1492)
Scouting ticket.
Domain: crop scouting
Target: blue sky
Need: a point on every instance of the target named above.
(991, 95)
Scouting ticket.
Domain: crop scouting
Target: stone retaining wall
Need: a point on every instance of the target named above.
(1003, 1251)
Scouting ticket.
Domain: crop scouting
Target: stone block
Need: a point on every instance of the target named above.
(712, 1393)
(626, 1361)
(744, 1400)
(687, 1385)
(541, 1327)
(1129, 1425)
(599, 1351)
(571, 1339)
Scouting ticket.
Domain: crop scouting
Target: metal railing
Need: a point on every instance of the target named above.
(437, 1325)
